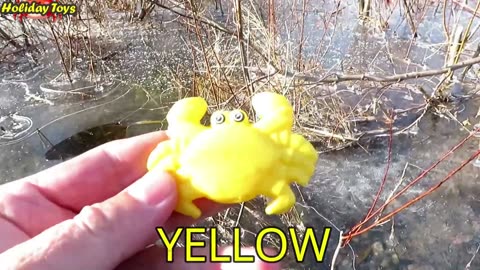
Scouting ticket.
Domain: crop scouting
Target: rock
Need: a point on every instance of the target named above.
(395, 259)
(377, 248)
(385, 262)
(420, 267)
(346, 264)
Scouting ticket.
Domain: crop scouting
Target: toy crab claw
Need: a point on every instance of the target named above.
(274, 112)
(183, 124)
(188, 111)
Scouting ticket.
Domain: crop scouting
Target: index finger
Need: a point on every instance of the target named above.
(97, 174)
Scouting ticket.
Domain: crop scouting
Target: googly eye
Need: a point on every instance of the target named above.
(238, 116)
(218, 118)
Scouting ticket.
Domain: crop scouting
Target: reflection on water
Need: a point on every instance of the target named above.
(44, 120)
(69, 124)
(85, 140)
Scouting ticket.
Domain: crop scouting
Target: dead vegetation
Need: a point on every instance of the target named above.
(237, 53)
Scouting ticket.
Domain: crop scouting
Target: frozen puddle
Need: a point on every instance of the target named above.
(13, 127)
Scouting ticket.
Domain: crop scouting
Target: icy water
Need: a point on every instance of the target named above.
(38, 111)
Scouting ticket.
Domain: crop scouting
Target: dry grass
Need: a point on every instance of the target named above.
(241, 53)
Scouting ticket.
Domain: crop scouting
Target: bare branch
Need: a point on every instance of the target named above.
(335, 78)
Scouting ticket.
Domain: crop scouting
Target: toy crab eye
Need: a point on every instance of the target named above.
(219, 118)
(238, 117)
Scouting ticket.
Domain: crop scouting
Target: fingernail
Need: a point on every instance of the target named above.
(154, 188)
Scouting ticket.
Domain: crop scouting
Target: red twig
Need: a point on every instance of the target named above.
(356, 229)
(389, 164)
(382, 185)
(421, 196)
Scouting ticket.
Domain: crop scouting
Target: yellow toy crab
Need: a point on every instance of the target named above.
(234, 160)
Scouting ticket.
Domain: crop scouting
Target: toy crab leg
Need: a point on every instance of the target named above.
(188, 208)
(274, 111)
(303, 157)
(186, 194)
(283, 199)
(303, 148)
(162, 156)
(301, 175)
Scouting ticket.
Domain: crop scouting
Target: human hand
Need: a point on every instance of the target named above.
(98, 211)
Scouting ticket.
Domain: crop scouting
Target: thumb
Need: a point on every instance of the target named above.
(104, 234)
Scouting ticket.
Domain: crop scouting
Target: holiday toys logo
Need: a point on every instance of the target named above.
(37, 9)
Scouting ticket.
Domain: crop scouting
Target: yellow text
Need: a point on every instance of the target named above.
(299, 244)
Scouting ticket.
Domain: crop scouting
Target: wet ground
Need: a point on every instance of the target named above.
(44, 120)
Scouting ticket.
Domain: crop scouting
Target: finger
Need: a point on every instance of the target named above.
(102, 235)
(97, 174)
(24, 213)
(10, 235)
(155, 258)
(208, 208)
